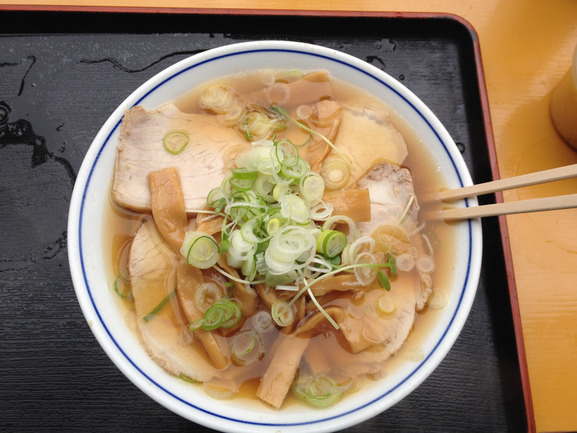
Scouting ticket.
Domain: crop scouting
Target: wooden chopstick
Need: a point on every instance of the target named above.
(522, 206)
(509, 208)
(538, 177)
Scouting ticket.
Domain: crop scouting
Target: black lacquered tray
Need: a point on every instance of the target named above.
(62, 73)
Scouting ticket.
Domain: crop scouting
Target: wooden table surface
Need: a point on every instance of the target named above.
(526, 48)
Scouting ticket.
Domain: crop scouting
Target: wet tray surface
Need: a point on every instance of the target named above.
(62, 75)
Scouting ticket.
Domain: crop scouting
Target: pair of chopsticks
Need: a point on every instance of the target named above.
(523, 206)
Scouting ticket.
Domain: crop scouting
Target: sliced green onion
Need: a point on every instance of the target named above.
(217, 198)
(159, 307)
(336, 173)
(278, 265)
(124, 294)
(206, 295)
(216, 315)
(244, 173)
(247, 347)
(175, 141)
(295, 168)
(264, 186)
(273, 226)
(295, 208)
(405, 262)
(200, 249)
(241, 184)
(225, 184)
(280, 190)
(250, 159)
(243, 179)
(260, 122)
(385, 305)
(218, 98)
(224, 313)
(232, 259)
(337, 219)
(218, 391)
(196, 325)
(321, 211)
(331, 243)
(286, 153)
(236, 314)
(366, 274)
(321, 265)
(282, 313)
(186, 378)
(312, 188)
(319, 391)
(425, 264)
(262, 322)
(248, 268)
(240, 248)
(224, 236)
(289, 245)
(362, 244)
(292, 75)
(252, 232)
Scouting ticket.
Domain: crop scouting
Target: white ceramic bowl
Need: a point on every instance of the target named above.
(92, 285)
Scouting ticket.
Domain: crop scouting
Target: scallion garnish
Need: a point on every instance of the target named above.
(268, 232)
(282, 313)
(159, 307)
(331, 243)
(336, 173)
(200, 249)
(175, 141)
(247, 347)
(187, 379)
(207, 294)
(124, 294)
(319, 390)
(224, 313)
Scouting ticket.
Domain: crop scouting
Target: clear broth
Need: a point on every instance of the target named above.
(122, 226)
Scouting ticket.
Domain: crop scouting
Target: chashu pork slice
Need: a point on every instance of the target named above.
(367, 137)
(384, 318)
(377, 328)
(394, 216)
(374, 335)
(202, 164)
(390, 189)
(152, 266)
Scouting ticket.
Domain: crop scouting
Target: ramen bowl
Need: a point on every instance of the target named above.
(91, 274)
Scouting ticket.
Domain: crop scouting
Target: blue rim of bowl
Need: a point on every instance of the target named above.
(172, 76)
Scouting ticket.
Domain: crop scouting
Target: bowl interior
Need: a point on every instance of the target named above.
(92, 281)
